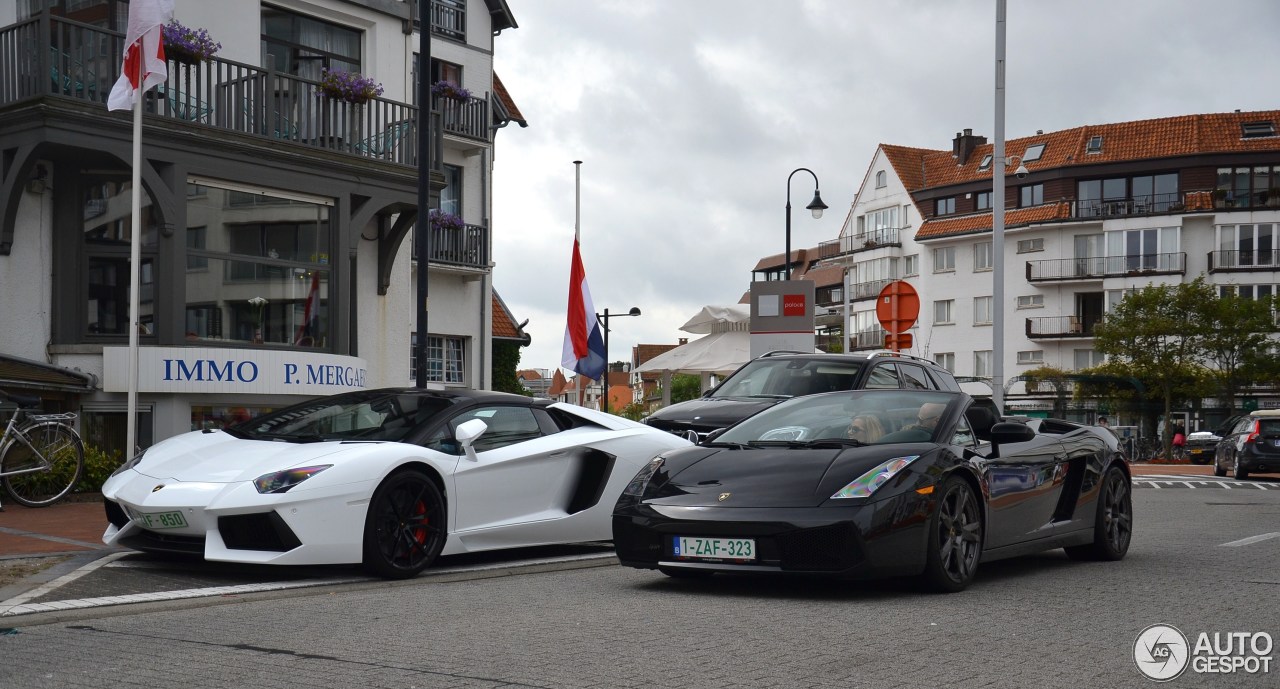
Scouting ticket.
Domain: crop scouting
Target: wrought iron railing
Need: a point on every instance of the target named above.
(52, 56)
(867, 290)
(1098, 267)
(467, 246)
(868, 339)
(1236, 260)
(1060, 326)
(862, 241)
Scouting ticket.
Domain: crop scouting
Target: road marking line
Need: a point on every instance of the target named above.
(1253, 539)
(8, 605)
(1188, 484)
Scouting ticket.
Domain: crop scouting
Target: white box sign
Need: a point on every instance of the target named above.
(218, 370)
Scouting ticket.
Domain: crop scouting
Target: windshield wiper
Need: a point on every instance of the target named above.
(236, 433)
(771, 397)
(817, 443)
(720, 443)
(297, 437)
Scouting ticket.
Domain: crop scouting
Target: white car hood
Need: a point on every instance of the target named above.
(220, 458)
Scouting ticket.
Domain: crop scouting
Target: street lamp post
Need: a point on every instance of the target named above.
(816, 206)
(603, 320)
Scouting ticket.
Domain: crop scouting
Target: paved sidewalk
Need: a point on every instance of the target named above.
(66, 527)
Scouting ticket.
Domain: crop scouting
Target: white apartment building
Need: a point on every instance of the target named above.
(258, 185)
(1103, 209)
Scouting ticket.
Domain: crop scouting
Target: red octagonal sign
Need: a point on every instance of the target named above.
(897, 307)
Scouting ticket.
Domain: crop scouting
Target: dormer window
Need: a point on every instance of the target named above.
(986, 162)
(1033, 153)
(1254, 130)
(1094, 145)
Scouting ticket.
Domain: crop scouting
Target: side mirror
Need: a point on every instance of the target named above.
(469, 431)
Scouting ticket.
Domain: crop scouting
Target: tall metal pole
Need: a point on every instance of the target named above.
(605, 325)
(422, 228)
(135, 264)
(997, 223)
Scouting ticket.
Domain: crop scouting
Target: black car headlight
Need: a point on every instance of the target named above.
(641, 481)
(282, 481)
(131, 463)
(866, 484)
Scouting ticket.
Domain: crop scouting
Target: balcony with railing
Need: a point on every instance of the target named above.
(862, 241)
(465, 247)
(867, 290)
(1243, 261)
(1059, 327)
(867, 339)
(1099, 267)
(48, 56)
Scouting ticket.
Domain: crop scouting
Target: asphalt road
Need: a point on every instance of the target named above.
(1205, 558)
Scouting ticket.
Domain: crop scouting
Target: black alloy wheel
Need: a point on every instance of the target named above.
(404, 529)
(1113, 526)
(955, 538)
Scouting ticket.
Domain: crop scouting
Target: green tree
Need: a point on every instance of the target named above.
(685, 387)
(1234, 337)
(634, 411)
(506, 359)
(1153, 331)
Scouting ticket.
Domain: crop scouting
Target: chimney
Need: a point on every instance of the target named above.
(684, 340)
(964, 145)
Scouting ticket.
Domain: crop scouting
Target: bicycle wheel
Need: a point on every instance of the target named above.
(57, 443)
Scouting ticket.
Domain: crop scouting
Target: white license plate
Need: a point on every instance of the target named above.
(694, 548)
(162, 520)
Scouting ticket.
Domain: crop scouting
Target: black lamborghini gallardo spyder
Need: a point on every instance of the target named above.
(877, 483)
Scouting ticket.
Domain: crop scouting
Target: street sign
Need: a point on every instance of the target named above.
(897, 342)
(897, 307)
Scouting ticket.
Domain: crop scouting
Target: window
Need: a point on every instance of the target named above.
(986, 162)
(982, 310)
(1031, 301)
(881, 179)
(106, 426)
(1087, 358)
(880, 226)
(914, 378)
(1253, 130)
(507, 426)
(258, 244)
(942, 311)
(883, 376)
(304, 46)
(1094, 145)
(944, 259)
(982, 258)
(946, 360)
(1245, 186)
(444, 358)
(945, 206)
(911, 264)
(1026, 246)
(1030, 195)
(440, 71)
(451, 195)
(982, 363)
(1033, 153)
(1033, 356)
(1142, 250)
(983, 201)
(1247, 245)
(106, 238)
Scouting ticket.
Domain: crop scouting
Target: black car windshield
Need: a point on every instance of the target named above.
(770, 377)
(351, 416)
(867, 416)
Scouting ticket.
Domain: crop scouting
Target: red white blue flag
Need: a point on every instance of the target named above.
(144, 65)
(583, 341)
(310, 328)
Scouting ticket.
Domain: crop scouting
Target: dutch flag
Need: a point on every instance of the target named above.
(583, 341)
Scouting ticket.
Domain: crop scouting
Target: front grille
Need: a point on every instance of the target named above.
(152, 541)
(262, 531)
(821, 549)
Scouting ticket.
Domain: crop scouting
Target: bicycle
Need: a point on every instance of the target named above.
(41, 455)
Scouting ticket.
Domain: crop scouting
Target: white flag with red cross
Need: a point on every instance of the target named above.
(144, 64)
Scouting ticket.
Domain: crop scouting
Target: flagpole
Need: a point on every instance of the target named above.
(135, 267)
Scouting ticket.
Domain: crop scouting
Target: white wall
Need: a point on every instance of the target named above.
(26, 276)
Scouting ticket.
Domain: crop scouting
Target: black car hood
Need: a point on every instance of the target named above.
(768, 477)
(711, 412)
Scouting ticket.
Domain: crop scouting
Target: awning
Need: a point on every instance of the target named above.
(721, 352)
(21, 373)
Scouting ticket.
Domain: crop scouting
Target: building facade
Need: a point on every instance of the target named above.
(1101, 210)
(277, 216)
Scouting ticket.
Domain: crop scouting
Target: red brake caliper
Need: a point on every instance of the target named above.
(420, 533)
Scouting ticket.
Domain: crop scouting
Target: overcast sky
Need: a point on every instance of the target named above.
(689, 115)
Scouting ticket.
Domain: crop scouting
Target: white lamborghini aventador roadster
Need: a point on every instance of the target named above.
(391, 478)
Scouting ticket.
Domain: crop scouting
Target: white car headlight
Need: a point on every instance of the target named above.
(282, 481)
(866, 484)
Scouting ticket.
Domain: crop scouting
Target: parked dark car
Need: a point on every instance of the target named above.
(940, 487)
(777, 376)
(1201, 446)
(1252, 446)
